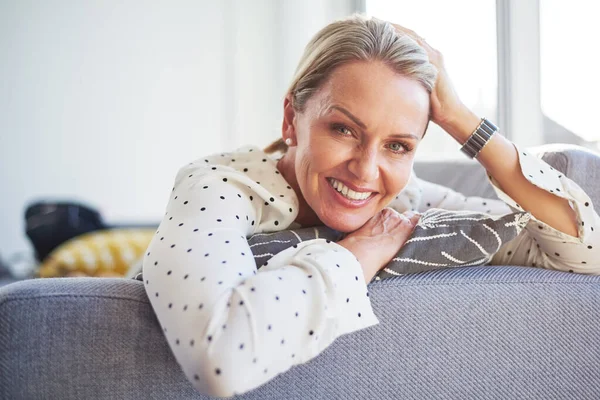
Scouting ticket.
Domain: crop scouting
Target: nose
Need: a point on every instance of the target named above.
(364, 165)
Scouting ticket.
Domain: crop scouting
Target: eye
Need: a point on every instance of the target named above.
(400, 147)
(342, 129)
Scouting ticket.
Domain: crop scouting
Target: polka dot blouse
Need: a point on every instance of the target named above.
(232, 327)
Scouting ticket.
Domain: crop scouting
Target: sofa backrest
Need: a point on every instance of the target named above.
(579, 164)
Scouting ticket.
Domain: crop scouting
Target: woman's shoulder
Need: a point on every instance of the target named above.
(238, 159)
(246, 162)
(254, 175)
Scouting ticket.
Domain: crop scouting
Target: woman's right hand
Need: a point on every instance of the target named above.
(380, 238)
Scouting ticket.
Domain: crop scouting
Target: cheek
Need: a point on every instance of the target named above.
(302, 166)
(305, 170)
(317, 156)
(396, 178)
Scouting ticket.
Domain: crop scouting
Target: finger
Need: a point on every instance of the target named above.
(409, 218)
(406, 30)
(412, 218)
(414, 35)
(415, 219)
(404, 218)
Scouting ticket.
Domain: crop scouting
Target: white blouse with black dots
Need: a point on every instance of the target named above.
(233, 328)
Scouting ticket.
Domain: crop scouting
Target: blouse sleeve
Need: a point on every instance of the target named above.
(230, 326)
(539, 244)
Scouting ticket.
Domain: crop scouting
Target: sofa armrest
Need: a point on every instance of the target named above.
(6, 281)
(581, 165)
(576, 162)
(494, 332)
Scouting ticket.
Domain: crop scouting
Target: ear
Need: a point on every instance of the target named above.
(288, 128)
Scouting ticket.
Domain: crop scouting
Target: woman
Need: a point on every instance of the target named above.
(359, 105)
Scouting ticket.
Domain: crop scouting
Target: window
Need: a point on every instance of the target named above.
(468, 42)
(570, 83)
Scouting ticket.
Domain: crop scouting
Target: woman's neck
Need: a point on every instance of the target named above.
(286, 166)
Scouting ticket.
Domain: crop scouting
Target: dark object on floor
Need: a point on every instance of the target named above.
(49, 224)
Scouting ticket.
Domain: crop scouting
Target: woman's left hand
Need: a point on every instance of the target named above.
(445, 103)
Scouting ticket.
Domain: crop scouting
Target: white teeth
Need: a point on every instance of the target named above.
(347, 192)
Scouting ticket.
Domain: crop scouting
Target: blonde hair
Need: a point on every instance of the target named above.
(355, 38)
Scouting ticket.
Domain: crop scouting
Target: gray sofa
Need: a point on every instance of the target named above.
(491, 332)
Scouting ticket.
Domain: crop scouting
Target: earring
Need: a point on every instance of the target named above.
(288, 141)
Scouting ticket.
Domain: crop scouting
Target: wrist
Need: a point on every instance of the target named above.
(361, 251)
(462, 124)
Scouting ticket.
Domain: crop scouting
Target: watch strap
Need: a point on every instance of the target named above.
(479, 138)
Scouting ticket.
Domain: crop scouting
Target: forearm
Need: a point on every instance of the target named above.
(499, 157)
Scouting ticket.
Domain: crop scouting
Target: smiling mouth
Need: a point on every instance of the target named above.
(347, 192)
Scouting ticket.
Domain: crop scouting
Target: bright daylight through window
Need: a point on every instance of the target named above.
(569, 58)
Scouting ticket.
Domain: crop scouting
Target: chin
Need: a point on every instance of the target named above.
(343, 223)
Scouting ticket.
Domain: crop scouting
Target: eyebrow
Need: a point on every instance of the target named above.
(363, 126)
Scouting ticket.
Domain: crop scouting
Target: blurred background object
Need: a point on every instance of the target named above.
(103, 253)
(101, 102)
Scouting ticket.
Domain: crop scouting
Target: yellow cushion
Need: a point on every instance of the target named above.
(100, 253)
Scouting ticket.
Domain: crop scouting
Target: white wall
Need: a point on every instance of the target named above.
(268, 38)
(103, 101)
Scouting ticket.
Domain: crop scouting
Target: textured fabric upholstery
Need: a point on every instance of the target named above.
(468, 333)
(463, 175)
(492, 332)
(6, 281)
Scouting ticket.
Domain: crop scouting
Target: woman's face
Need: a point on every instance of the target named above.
(358, 135)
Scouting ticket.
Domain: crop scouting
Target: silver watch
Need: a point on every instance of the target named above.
(479, 138)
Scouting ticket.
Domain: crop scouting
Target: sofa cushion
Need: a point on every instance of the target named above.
(445, 239)
(101, 253)
(441, 239)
